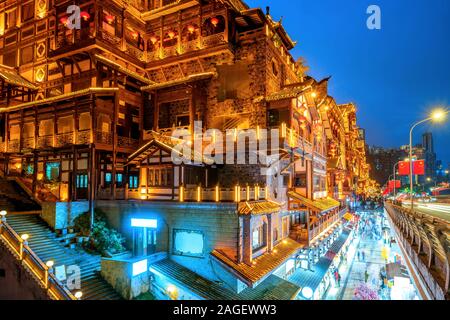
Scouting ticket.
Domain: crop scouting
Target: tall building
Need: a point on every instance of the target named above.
(429, 155)
(94, 110)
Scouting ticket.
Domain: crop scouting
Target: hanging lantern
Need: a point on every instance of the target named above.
(134, 34)
(110, 18)
(153, 39)
(215, 21)
(64, 20)
(191, 28)
(171, 34)
(85, 15)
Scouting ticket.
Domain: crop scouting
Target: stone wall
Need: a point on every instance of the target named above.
(16, 283)
(218, 222)
(119, 274)
(60, 215)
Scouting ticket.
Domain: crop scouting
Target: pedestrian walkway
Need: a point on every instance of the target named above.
(367, 263)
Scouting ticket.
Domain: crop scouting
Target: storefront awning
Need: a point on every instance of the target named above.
(263, 266)
(319, 205)
(258, 207)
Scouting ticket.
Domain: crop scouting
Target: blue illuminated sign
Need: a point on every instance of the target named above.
(144, 223)
(140, 267)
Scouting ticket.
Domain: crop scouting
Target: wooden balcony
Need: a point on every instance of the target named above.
(199, 194)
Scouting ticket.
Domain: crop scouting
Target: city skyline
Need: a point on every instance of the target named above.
(363, 62)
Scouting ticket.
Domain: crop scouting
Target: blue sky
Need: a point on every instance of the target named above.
(394, 75)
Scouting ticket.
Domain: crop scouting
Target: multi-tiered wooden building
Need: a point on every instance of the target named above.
(86, 113)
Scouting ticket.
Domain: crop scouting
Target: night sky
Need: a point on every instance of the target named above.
(394, 75)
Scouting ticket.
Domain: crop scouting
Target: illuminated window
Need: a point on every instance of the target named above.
(108, 177)
(259, 237)
(188, 242)
(52, 171)
(82, 181)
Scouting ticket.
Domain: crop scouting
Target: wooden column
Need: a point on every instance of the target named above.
(269, 233)
(114, 141)
(192, 111)
(247, 241)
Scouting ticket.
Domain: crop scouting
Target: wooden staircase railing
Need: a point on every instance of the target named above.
(31, 262)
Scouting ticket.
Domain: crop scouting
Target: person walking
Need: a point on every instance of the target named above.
(339, 280)
(359, 256)
(366, 276)
(363, 256)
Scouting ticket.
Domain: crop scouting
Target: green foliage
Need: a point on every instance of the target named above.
(103, 237)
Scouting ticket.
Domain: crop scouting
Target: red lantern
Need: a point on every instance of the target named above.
(215, 21)
(85, 15)
(134, 34)
(64, 20)
(191, 28)
(110, 18)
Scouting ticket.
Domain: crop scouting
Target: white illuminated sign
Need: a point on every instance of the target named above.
(144, 223)
(139, 267)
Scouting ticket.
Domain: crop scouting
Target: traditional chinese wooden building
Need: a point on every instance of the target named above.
(89, 98)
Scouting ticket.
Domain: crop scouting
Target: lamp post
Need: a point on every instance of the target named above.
(435, 116)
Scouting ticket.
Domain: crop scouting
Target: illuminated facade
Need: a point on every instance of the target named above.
(87, 114)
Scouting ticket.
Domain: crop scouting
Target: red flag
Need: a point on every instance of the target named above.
(419, 167)
(403, 168)
(394, 184)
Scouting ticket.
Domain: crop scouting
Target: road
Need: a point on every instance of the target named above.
(439, 210)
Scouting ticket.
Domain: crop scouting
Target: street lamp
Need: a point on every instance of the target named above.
(437, 115)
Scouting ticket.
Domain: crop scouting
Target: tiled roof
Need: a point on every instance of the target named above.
(312, 278)
(264, 264)
(317, 205)
(65, 96)
(205, 288)
(258, 207)
(123, 69)
(273, 288)
(10, 76)
(163, 142)
(171, 83)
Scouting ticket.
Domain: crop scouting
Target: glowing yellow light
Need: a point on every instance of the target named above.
(217, 193)
(40, 176)
(3, 213)
(25, 237)
(18, 166)
(314, 94)
(283, 130)
(171, 289)
(143, 190)
(199, 194)
(284, 241)
(50, 263)
(181, 194)
(78, 294)
(438, 115)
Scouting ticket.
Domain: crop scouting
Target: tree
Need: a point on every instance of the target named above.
(363, 292)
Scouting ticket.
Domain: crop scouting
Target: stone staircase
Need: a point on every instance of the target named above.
(48, 246)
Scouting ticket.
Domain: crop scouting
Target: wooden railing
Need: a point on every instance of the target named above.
(425, 240)
(200, 194)
(31, 262)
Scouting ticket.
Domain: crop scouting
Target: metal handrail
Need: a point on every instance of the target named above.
(34, 264)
